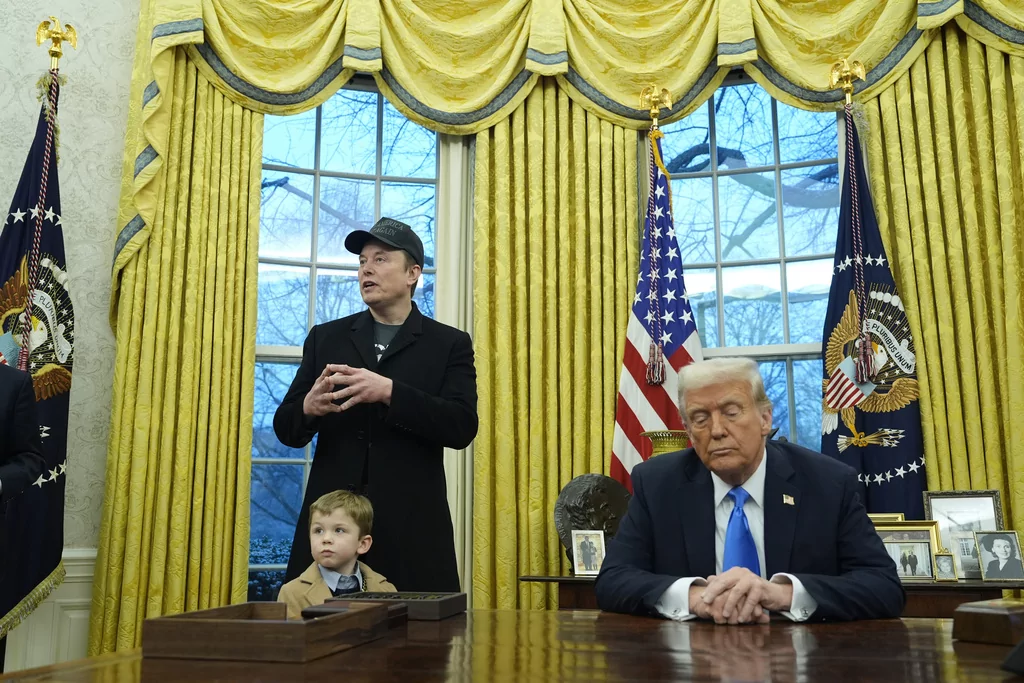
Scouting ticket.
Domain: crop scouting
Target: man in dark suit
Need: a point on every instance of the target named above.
(735, 528)
(387, 390)
(21, 455)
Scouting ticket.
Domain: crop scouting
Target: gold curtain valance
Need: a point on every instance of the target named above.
(461, 67)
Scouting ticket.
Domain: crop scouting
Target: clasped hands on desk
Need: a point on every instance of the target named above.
(553, 646)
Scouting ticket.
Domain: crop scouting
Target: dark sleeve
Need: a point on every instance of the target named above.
(25, 462)
(291, 425)
(868, 586)
(449, 418)
(626, 582)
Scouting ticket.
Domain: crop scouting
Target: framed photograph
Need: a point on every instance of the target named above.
(877, 517)
(912, 545)
(1000, 556)
(587, 551)
(945, 567)
(960, 514)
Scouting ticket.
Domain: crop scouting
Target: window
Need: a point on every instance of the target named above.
(755, 192)
(326, 172)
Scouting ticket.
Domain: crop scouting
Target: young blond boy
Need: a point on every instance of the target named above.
(339, 532)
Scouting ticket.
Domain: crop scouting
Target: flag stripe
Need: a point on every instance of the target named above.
(657, 398)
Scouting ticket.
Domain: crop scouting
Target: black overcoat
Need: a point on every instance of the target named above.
(392, 454)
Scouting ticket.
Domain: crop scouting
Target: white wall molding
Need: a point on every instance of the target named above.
(58, 630)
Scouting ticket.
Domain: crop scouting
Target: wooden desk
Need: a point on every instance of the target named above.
(589, 646)
(933, 600)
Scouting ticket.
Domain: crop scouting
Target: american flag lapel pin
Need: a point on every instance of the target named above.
(788, 499)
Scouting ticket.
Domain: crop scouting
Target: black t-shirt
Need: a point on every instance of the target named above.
(382, 336)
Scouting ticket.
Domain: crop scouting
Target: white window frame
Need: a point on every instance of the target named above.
(772, 352)
(452, 272)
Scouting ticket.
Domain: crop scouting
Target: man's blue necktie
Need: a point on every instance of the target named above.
(740, 550)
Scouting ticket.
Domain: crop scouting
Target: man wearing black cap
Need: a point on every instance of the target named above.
(387, 390)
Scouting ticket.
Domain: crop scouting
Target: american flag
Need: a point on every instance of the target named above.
(661, 327)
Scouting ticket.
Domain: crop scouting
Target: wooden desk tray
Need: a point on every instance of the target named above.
(260, 632)
(398, 613)
(1000, 622)
(422, 606)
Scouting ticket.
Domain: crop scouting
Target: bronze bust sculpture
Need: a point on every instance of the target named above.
(590, 501)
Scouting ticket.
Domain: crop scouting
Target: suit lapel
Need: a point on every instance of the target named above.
(362, 339)
(410, 330)
(781, 503)
(697, 493)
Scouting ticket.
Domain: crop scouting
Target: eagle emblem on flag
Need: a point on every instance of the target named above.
(892, 386)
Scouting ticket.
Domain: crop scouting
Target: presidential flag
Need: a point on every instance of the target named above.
(37, 334)
(870, 415)
(661, 336)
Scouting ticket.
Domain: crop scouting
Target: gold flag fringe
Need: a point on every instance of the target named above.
(12, 619)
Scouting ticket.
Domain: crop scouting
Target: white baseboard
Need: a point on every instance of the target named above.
(58, 630)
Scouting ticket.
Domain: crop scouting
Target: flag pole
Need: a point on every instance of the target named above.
(654, 99)
(52, 31)
(843, 74)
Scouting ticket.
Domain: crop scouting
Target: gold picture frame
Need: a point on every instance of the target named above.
(883, 517)
(905, 541)
(944, 573)
(1014, 569)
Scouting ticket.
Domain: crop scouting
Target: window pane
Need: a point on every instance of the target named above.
(412, 204)
(702, 290)
(687, 143)
(743, 127)
(753, 309)
(810, 209)
(424, 296)
(286, 215)
(337, 294)
(290, 140)
(272, 382)
(806, 135)
(345, 205)
(410, 150)
(282, 305)
(776, 386)
(746, 204)
(693, 211)
(348, 136)
(274, 510)
(807, 392)
(265, 584)
(807, 285)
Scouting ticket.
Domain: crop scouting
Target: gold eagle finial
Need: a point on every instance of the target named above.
(654, 101)
(842, 75)
(51, 30)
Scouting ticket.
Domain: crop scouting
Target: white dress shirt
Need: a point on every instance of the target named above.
(332, 577)
(675, 602)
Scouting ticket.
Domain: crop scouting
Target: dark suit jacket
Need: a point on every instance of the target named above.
(394, 455)
(21, 455)
(825, 538)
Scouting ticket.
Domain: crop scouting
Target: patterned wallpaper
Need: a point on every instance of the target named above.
(93, 115)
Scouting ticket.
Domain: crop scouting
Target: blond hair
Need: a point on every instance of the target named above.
(716, 370)
(354, 505)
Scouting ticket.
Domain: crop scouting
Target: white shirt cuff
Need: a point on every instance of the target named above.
(674, 603)
(803, 606)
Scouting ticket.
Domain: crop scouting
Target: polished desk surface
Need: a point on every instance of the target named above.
(593, 646)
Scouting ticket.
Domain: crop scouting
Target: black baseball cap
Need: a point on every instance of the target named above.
(392, 233)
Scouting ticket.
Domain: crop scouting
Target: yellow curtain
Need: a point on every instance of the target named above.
(175, 528)
(556, 251)
(946, 165)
